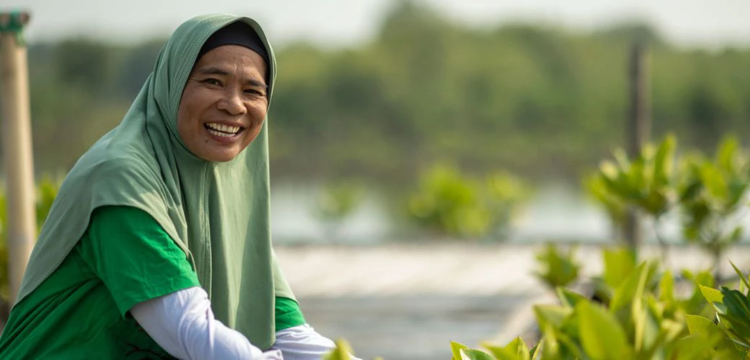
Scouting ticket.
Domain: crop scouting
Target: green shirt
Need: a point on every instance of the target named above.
(81, 310)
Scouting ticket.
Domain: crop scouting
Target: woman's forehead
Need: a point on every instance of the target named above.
(232, 60)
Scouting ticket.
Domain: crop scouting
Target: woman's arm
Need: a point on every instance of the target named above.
(183, 324)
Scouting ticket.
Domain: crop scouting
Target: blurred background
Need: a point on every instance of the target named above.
(422, 152)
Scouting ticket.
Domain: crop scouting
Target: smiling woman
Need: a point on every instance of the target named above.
(166, 211)
(225, 101)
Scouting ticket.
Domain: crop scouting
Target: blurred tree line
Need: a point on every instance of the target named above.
(536, 100)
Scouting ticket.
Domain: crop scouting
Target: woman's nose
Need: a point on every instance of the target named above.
(232, 102)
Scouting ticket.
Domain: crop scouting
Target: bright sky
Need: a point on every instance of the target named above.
(703, 23)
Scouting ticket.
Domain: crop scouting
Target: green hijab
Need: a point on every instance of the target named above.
(218, 213)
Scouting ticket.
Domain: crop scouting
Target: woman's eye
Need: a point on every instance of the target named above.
(212, 81)
(254, 92)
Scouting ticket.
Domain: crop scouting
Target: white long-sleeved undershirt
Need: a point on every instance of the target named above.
(183, 324)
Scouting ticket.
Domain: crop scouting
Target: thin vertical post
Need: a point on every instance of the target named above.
(16, 147)
(637, 129)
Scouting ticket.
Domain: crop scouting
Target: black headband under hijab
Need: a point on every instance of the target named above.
(236, 33)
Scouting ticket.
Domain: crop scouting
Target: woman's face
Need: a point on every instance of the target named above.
(224, 103)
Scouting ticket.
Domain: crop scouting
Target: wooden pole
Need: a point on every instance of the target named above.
(637, 129)
(16, 147)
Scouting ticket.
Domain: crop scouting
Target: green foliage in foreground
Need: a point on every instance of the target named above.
(342, 352)
(645, 314)
(451, 203)
(558, 269)
(643, 320)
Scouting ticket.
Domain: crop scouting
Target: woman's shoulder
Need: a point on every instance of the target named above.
(121, 161)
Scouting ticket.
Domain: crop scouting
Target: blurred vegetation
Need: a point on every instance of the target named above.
(450, 203)
(342, 352)
(336, 202)
(645, 182)
(557, 268)
(708, 194)
(541, 101)
(713, 197)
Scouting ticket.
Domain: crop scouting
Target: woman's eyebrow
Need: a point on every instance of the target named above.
(212, 70)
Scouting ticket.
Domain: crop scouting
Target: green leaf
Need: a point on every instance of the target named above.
(456, 350)
(648, 331)
(705, 278)
(741, 275)
(660, 337)
(516, 349)
(697, 301)
(519, 347)
(725, 322)
(640, 320)
(666, 287)
(663, 160)
(559, 345)
(714, 181)
(570, 347)
(536, 351)
(470, 354)
(622, 158)
(672, 329)
(618, 265)
(690, 191)
(737, 188)
(569, 298)
(738, 312)
(558, 268)
(553, 315)
(504, 354)
(725, 156)
(694, 347)
(341, 352)
(632, 286)
(700, 325)
(598, 343)
(712, 295)
(645, 327)
(723, 347)
(551, 347)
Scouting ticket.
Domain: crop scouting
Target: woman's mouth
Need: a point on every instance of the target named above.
(222, 130)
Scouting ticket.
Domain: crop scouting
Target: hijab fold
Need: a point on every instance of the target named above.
(218, 213)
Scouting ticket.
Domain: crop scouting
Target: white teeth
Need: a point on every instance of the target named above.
(225, 129)
(219, 133)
